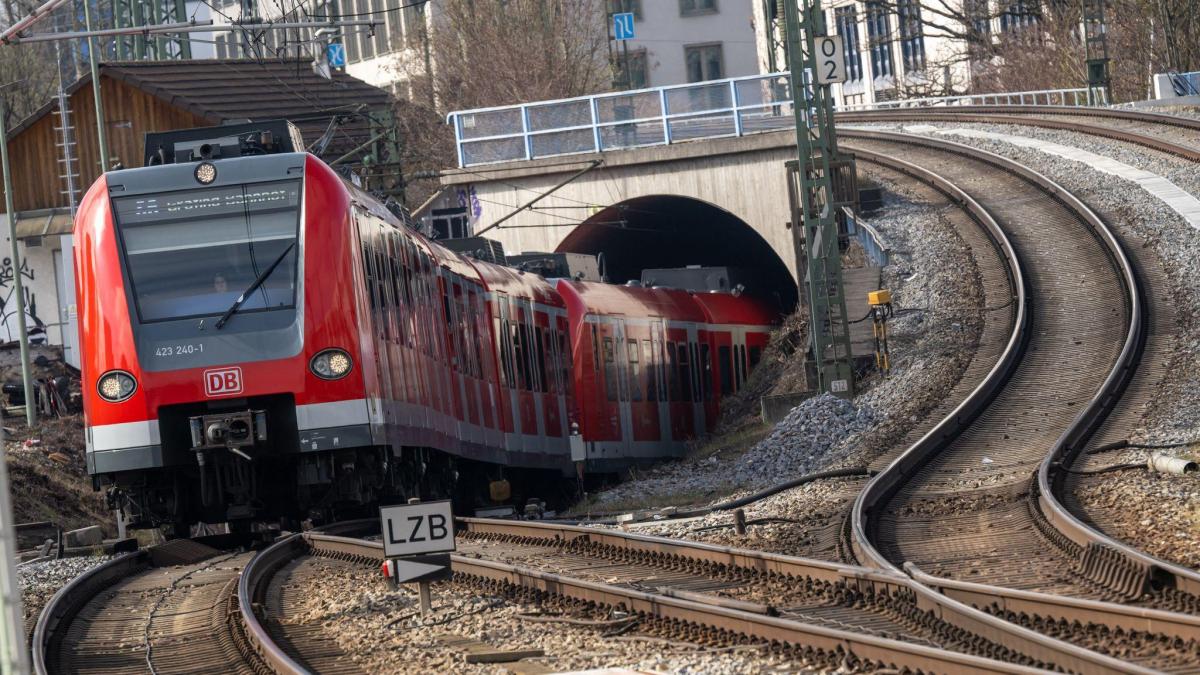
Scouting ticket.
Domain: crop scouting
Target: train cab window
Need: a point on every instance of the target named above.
(610, 370)
(685, 374)
(635, 372)
(725, 363)
(672, 373)
(191, 253)
(651, 371)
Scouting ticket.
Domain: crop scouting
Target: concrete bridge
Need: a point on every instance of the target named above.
(714, 202)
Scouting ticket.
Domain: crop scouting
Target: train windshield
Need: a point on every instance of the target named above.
(191, 253)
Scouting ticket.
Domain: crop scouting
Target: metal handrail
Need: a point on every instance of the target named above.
(723, 114)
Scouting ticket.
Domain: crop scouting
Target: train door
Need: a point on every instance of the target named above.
(383, 326)
(643, 391)
(566, 374)
(679, 383)
(610, 415)
(547, 370)
(656, 363)
(510, 411)
(700, 360)
(488, 396)
(724, 375)
(621, 340)
(523, 352)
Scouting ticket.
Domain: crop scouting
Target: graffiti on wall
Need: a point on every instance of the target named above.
(8, 305)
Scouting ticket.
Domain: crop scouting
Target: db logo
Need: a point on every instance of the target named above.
(223, 381)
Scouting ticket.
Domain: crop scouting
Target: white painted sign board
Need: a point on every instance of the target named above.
(831, 66)
(411, 529)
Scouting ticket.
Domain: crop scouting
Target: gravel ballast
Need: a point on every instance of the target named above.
(382, 629)
(39, 581)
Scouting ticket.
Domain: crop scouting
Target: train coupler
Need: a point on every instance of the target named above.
(232, 431)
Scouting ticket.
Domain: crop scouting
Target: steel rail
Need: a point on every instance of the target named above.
(885, 484)
(690, 610)
(1155, 572)
(1081, 111)
(1175, 625)
(66, 603)
(1188, 152)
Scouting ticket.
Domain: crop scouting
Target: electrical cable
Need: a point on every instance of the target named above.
(1121, 445)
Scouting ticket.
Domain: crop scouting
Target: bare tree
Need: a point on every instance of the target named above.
(34, 69)
(487, 53)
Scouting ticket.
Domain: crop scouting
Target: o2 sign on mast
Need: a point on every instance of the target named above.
(831, 65)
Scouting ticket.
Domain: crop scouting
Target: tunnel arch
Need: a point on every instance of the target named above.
(657, 231)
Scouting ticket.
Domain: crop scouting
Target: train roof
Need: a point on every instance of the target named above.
(590, 297)
(500, 279)
(727, 308)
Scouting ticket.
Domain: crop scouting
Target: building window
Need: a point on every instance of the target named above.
(704, 62)
(879, 39)
(631, 69)
(414, 23)
(1019, 14)
(847, 27)
(624, 6)
(694, 7)
(977, 14)
(912, 35)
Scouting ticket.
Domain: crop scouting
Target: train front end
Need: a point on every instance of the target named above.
(219, 339)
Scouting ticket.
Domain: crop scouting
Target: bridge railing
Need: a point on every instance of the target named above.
(663, 115)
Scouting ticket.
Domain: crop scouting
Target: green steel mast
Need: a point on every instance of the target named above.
(816, 143)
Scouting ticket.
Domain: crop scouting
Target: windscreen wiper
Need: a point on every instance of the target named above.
(254, 286)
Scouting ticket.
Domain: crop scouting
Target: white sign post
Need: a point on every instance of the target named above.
(831, 66)
(417, 540)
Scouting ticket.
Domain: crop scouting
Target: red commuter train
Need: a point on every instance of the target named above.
(262, 340)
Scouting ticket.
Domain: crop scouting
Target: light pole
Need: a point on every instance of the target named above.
(18, 288)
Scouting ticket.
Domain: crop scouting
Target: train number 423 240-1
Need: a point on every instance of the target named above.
(179, 350)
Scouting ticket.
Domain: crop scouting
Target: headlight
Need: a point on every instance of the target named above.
(116, 386)
(331, 364)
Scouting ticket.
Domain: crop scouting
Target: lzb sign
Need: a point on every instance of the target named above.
(411, 529)
(831, 66)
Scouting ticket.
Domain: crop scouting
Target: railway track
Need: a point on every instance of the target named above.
(959, 503)
(825, 613)
(1170, 134)
(1080, 530)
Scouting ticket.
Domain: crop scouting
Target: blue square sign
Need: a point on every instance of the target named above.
(335, 54)
(623, 26)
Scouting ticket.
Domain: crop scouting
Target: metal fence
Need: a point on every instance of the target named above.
(868, 237)
(646, 117)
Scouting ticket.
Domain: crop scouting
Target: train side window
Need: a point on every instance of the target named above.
(610, 370)
(505, 355)
(540, 341)
(595, 350)
(725, 363)
(755, 357)
(520, 366)
(702, 391)
(651, 371)
(635, 372)
(685, 374)
(564, 356)
(672, 374)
